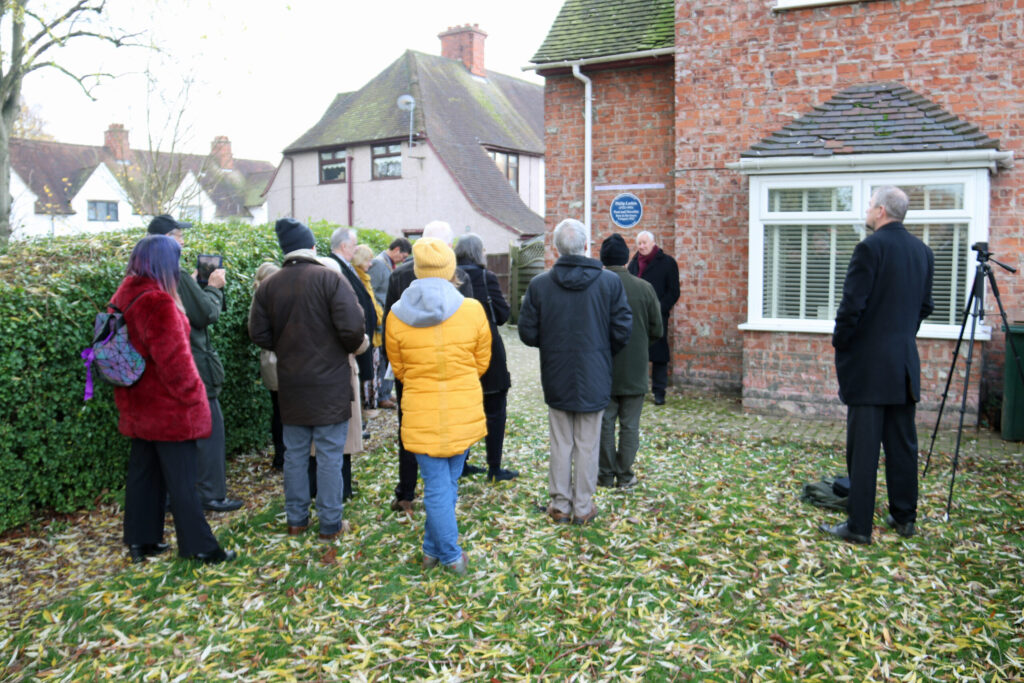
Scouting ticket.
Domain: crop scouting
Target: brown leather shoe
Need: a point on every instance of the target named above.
(296, 530)
(387, 404)
(587, 518)
(399, 505)
(558, 517)
(327, 538)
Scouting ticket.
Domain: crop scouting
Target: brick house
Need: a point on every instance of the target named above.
(430, 137)
(753, 132)
(59, 188)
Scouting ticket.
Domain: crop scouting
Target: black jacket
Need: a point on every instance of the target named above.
(578, 315)
(886, 295)
(365, 359)
(663, 274)
(487, 291)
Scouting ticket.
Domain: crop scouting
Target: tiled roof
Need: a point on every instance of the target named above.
(459, 114)
(600, 28)
(56, 171)
(877, 118)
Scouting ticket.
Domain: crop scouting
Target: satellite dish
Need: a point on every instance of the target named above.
(406, 102)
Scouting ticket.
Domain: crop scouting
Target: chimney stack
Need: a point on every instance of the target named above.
(116, 141)
(465, 43)
(220, 150)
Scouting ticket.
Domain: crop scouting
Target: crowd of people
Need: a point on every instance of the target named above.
(338, 332)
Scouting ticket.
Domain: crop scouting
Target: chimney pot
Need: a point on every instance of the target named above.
(465, 43)
(220, 150)
(115, 139)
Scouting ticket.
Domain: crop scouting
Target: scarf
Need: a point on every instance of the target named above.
(643, 261)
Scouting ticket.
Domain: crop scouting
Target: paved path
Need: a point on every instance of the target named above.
(717, 415)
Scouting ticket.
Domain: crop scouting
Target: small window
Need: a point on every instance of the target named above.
(103, 211)
(333, 166)
(508, 164)
(387, 161)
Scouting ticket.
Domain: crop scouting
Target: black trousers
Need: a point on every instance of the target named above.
(893, 427)
(659, 378)
(277, 431)
(156, 470)
(408, 468)
(496, 411)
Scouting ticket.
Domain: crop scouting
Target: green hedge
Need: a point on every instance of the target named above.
(60, 453)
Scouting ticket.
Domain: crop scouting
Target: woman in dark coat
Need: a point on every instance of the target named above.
(660, 269)
(164, 412)
(469, 254)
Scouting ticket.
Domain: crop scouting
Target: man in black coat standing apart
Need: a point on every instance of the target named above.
(886, 295)
(654, 265)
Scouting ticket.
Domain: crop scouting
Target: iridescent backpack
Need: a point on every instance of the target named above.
(111, 352)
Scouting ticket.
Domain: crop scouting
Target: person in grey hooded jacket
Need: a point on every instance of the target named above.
(578, 315)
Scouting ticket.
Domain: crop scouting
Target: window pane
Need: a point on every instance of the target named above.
(939, 197)
(387, 167)
(810, 199)
(948, 242)
(804, 267)
(333, 171)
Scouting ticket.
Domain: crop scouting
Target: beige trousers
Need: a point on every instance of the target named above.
(572, 469)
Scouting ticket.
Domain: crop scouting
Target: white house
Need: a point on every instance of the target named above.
(59, 188)
(428, 138)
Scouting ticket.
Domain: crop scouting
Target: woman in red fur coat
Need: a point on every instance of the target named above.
(164, 412)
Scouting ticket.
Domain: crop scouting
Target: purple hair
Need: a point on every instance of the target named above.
(156, 257)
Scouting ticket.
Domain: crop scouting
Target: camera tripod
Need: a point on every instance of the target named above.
(976, 310)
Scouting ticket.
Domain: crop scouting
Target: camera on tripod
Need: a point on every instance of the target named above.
(982, 249)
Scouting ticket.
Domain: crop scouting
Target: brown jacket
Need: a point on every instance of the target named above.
(310, 318)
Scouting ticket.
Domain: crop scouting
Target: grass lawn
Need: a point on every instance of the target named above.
(711, 569)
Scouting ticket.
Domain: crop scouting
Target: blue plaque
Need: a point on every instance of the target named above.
(626, 210)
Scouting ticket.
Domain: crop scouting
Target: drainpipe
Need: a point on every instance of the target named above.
(348, 179)
(291, 186)
(587, 147)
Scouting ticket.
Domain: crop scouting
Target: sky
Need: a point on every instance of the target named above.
(261, 73)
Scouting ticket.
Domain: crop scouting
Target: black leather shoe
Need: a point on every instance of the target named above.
(222, 505)
(216, 556)
(659, 400)
(842, 532)
(906, 530)
(468, 469)
(138, 553)
(501, 475)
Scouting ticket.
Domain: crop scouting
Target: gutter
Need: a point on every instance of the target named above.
(626, 56)
(991, 159)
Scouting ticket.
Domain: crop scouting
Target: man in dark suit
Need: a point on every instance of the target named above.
(651, 263)
(886, 295)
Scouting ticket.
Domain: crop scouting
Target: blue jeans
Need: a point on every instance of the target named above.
(440, 493)
(330, 445)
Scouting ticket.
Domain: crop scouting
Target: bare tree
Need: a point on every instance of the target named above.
(33, 40)
(30, 124)
(154, 175)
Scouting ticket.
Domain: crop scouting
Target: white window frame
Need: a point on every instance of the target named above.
(783, 5)
(975, 213)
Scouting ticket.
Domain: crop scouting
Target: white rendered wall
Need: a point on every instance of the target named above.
(425, 192)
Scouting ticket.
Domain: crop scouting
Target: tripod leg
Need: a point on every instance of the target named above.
(952, 367)
(975, 316)
(1006, 322)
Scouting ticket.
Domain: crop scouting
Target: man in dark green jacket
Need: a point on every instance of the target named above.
(629, 371)
(203, 306)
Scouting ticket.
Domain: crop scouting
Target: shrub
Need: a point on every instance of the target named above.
(58, 452)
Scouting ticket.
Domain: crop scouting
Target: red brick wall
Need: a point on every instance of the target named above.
(633, 119)
(743, 72)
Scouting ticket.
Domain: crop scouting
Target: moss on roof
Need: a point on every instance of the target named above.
(601, 28)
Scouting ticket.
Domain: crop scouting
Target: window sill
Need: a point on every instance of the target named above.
(927, 331)
(388, 177)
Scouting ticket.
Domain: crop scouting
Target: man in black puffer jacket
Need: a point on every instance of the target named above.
(578, 315)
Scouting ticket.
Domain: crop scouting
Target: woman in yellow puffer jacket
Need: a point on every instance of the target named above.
(439, 344)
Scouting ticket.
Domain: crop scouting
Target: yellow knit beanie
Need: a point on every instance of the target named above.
(433, 258)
